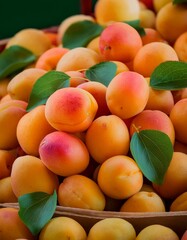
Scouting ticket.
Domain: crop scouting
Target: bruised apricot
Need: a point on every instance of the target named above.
(71, 109)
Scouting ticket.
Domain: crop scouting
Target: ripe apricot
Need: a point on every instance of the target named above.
(9, 219)
(106, 137)
(158, 4)
(112, 228)
(21, 84)
(147, 18)
(115, 42)
(143, 202)
(151, 35)
(98, 91)
(63, 228)
(49, 59)
(63, 153)
(172, 16)
(10, 114)
(79, 58)
(175, 178)
(29, 174)
(107, 11)
(7, 195)
(151, 55)
(180, 47)
(32, 39)
(71, 109)
(29, 132)
(124, 88)
(121, 67)
(79, 191)
(153, 119)
(124, 176)
(178, 116)
(157, 231)
(179, 203)
(3, 87)
(7, 158)
(76, 78)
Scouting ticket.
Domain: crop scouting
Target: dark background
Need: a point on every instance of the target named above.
(18, 14)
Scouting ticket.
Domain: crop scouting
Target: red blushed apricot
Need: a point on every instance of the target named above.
(127, 94)
(79, 191)
(29, 174)
(11, 226)
(10, 114)
(64, 153)
(98, 90)
(116, 43)
(123, 174)
(49, 59)
(155, 120)
(29, 130)
(106, 137)
(71, 109)
(178, 116)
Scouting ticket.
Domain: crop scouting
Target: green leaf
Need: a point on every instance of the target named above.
(102, 72)
(36, 209)
(152, 150)
(14, 59)
(136, 24)
(79, 34)
(45, 86)
(169, 75)
(179, 1)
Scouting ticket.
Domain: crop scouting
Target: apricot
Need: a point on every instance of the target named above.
(34, 40)
(179, 203)
(29, 174)
(151, 55)
(124, 88)
(7, 158)
(29, 131)
(79, 58)
(112, 228)
(178, 116)
(124, 176)
(143, 202)
(171, 16)
(180, 47)
(7, 195)
(121, 67)
(175, 178)
(79, 191)
(147, 18)
(11, 226)
(180, 147)
(157, 231)
(49, 59)
(155, 120)
(21, 84)
(3, 87)
(76, 78)
(107, 11)
(115, 42)
(6, 98)
(98, 91)
(63, 153)
(106, 137)
(151, 35)
(71, 109)
(63, 228)
(158, 4)
(10, 114)
(94, 45)
(184, 235)
(68, 21)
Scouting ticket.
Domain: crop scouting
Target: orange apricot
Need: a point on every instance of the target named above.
(175, 178)
(106, 137)
(29, 132)
(127, 94)
(178, 116)
(98, 91)
(151, 55)
(49, 59)
(180, 47)
(79, 191)
(116, 43)
(76, 78)
(71, 109)
(63, 153)
(7, 195)
(124, 176)
(3, 87)
(147, 18)
(151, 35)
(121, 67)
(155, 120)
(179, 203)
